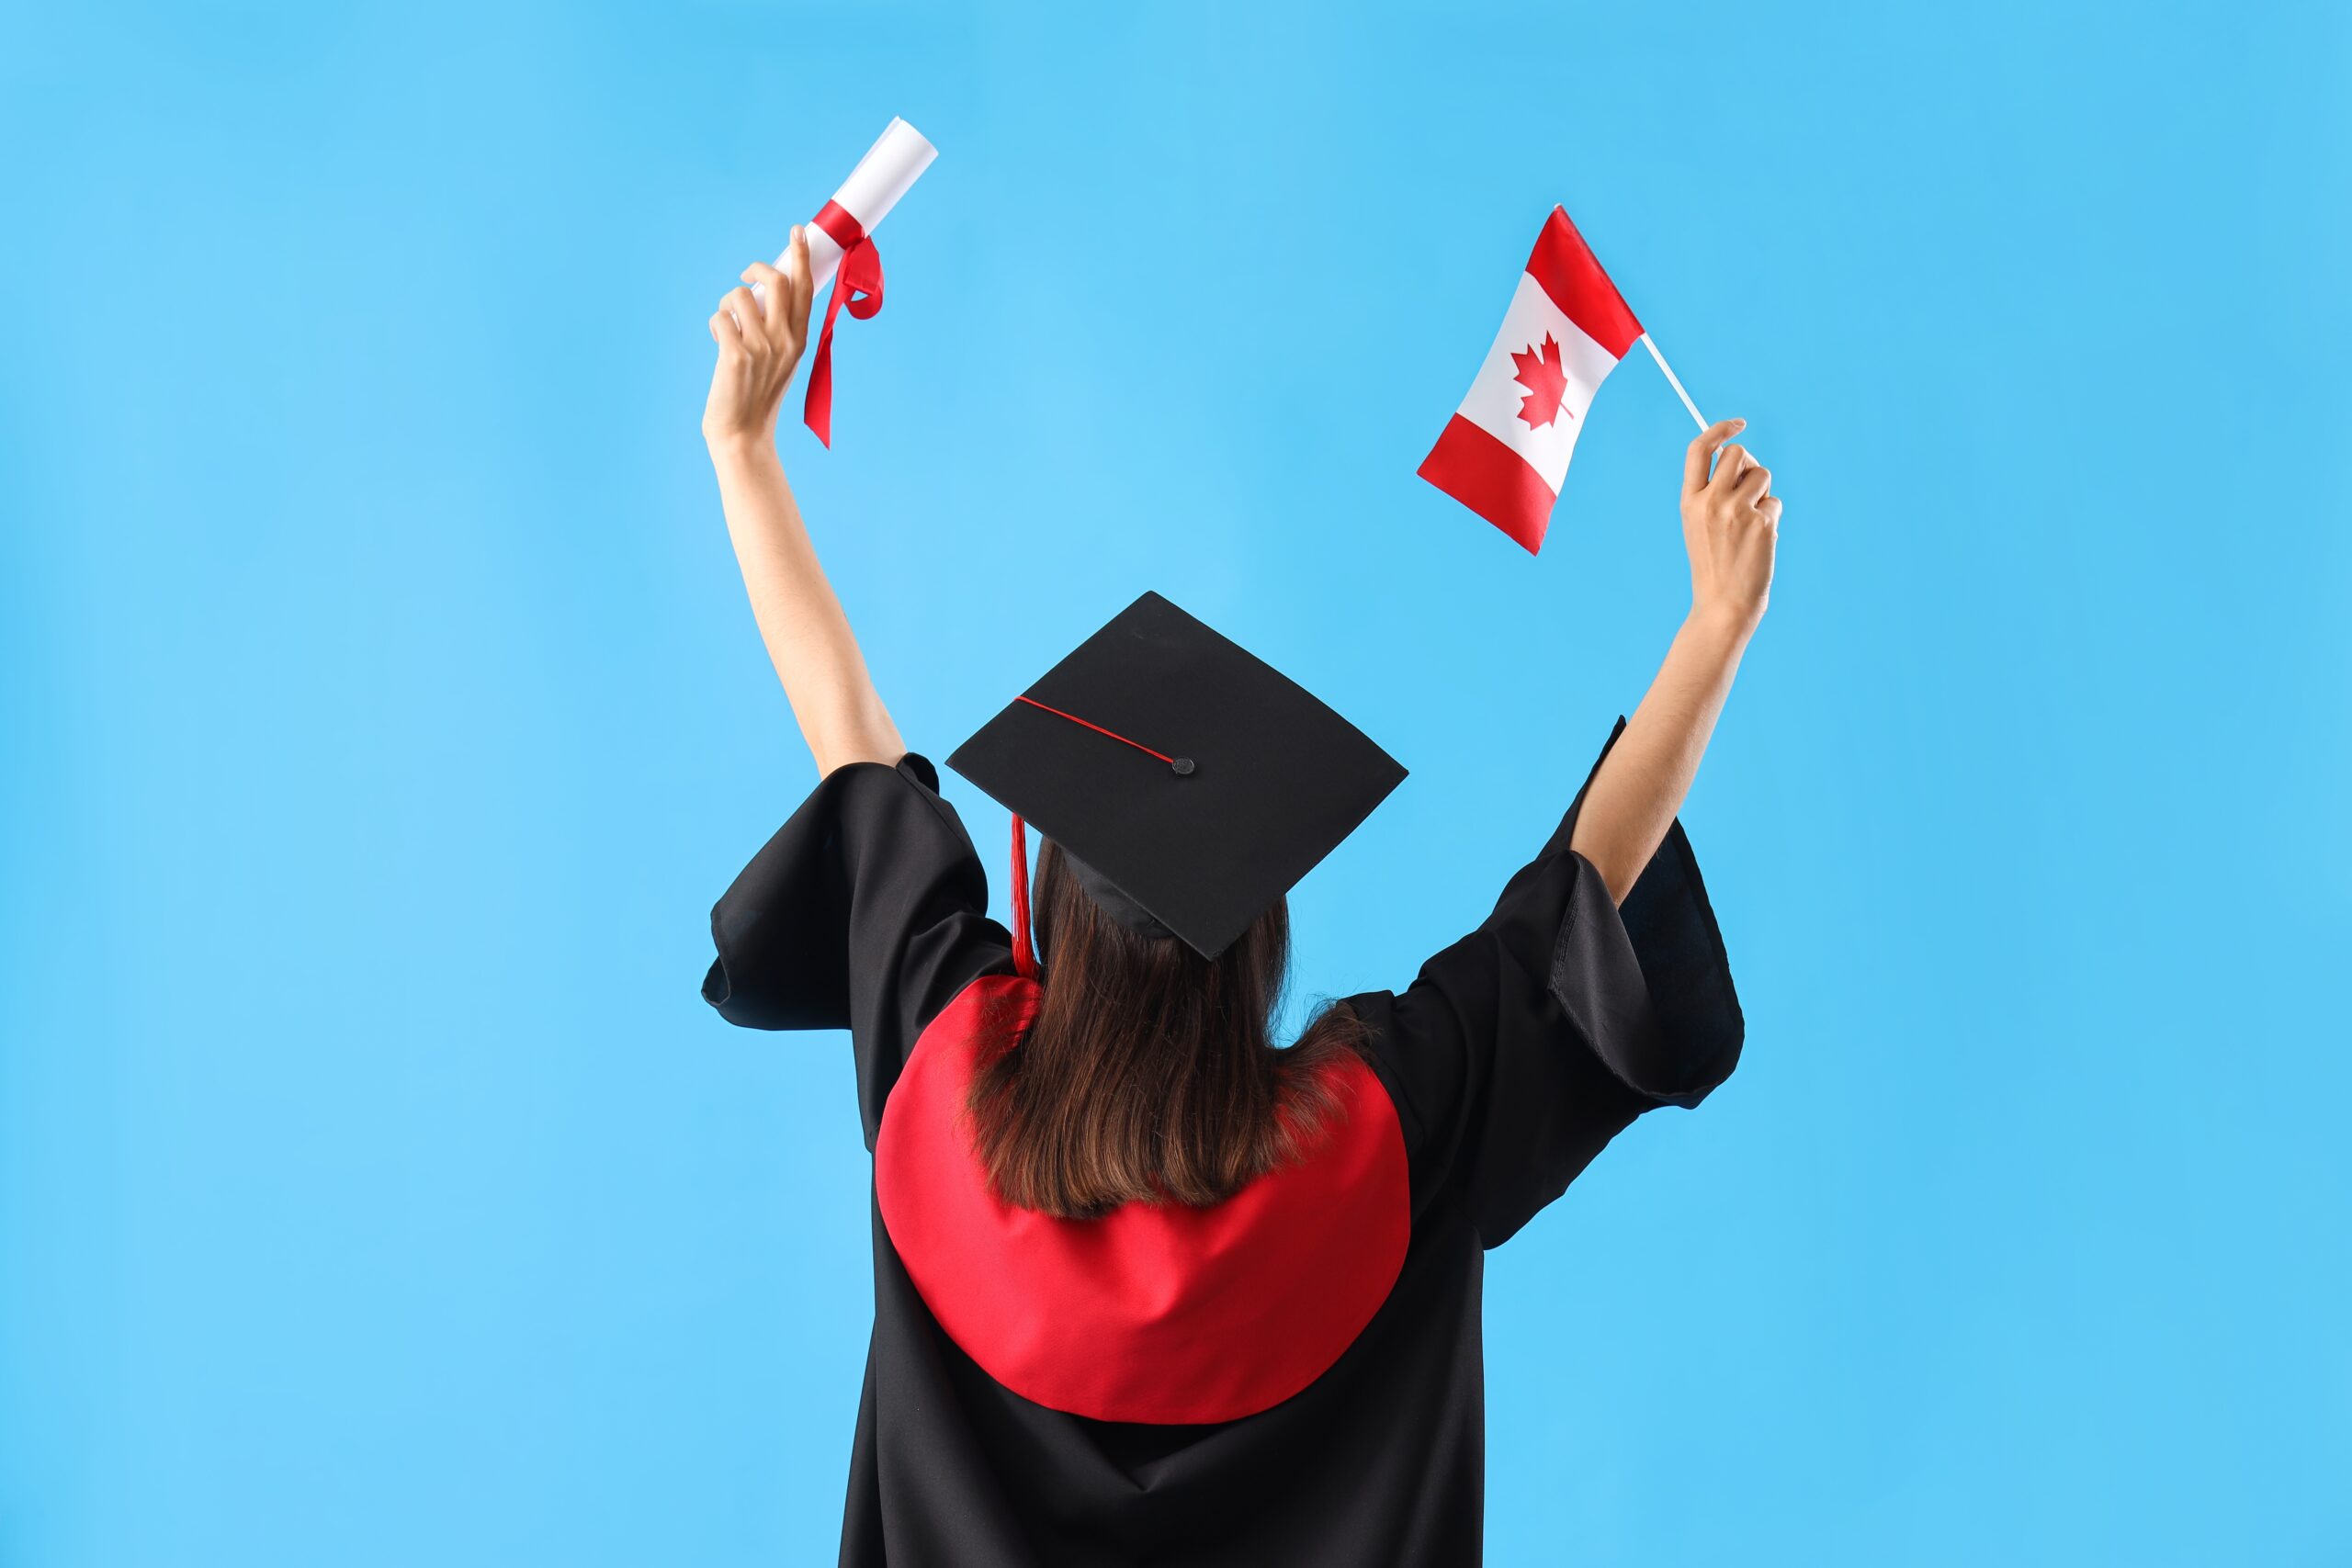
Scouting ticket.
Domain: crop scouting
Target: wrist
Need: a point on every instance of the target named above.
(1723, 624)
(739, 448)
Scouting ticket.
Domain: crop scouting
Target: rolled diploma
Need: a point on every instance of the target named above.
(888, 172)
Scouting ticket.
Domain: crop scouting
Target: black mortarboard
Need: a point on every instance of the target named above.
(1192, 782)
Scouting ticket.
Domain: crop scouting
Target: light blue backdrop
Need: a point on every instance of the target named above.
(382, 715)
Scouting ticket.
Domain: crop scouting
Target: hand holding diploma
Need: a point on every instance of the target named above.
(760, 336)
(762, 329)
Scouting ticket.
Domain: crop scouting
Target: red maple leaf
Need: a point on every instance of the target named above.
(1545, 382)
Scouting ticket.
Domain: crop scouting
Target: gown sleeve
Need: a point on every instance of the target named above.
(866, 912)
(1520, 1051)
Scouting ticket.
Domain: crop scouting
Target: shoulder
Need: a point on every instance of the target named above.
(1414, 1084)
(910, 783)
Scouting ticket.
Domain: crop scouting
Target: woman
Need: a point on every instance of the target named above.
(1147, 1290)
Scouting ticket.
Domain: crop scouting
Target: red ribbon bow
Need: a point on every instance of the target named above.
(857, 283)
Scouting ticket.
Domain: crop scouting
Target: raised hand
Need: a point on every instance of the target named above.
(1731, 526)
(1731, 521)
(761, 337)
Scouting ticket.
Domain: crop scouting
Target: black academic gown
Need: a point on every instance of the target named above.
(1508, 1063)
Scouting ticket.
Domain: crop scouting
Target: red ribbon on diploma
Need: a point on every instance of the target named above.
(857, 283)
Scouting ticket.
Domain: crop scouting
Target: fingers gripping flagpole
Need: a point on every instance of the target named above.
(1674, 381)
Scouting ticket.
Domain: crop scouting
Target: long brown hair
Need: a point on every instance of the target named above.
(1148, 1073)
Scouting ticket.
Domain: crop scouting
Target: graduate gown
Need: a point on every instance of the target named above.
(1293, 1377)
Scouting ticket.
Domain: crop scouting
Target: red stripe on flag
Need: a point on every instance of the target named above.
(1565, 268)
(1492, 480)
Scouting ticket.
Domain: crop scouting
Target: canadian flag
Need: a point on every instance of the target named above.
(1506, 450)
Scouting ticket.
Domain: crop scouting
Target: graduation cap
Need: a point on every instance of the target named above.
(1188, 783)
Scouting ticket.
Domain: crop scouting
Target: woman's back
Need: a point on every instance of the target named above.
(1292, 1375)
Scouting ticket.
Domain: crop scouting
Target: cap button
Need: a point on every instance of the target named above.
(1180, 765)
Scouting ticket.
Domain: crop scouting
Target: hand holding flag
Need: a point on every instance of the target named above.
(1731, 526)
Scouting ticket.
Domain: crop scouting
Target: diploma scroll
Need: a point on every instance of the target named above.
(888, 172)
(842, 250)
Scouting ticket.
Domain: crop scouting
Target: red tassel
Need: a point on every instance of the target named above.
(1024, 955)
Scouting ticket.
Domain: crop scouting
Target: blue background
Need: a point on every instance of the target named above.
(382, 715)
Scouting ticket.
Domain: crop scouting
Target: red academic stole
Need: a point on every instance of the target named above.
(1157, 1312)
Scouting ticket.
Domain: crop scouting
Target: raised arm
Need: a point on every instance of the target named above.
(808, 640)
(1730, 523)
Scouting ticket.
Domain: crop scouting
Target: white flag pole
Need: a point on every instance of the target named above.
(1675, 381)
